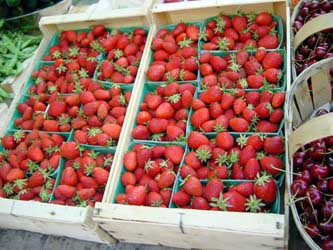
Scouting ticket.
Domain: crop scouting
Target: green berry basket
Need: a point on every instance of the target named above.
(276, 18)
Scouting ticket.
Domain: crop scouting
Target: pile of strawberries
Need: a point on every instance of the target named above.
(226, 157)
(96, 116)
(82, 46)
(254, 197)
(28, 166)
(150, 173)
(84, 176)
(175, 54)
(124, 52)
(238, 111)
(240, 32)
(241, 70)
(164, 112)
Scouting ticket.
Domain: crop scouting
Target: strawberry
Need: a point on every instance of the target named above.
(14, 174)
(136, 196)
(239, 105)
(265, 188)
(181, 198)
(166, 179)
(38, 178)
(230, 201)
(271, 164)
(255, 141)
(213, 189)
(246, 154)
(239, 124)
(251, 169)
(278, 99)
(199, 117)
(165, 111)
(274, 145)
(245, 188)
(200, 203)
(218, 63)
(69, 150)
(192, 186)
(174, 153)
(213, 94)
(264, 18)
(272, 75)
(86, 193)
(276, 116)
(264, 110)
(69, 177)
(35, 154)
(239, 23)
(272, 60)
(266, 127)
(64, 191)
(224, 140)
(101, 175)
(255, 81)
(130, 161)
(269, 42)
(154, 199)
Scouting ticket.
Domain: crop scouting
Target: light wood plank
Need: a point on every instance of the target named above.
(304, 101)
(321, 88)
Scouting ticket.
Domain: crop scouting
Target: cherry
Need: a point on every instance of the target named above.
(299, 158)
(327, 209)
(312, 213)
(323, 186)
(305, 176)
(308, 163)
(326, 228)
(313, 230)
(327, 244)
(330, 185)
(299, 187)
(315, 195)
(329, 141)
(325, 5)
(319, 171)
(314, 5)
(305, 11)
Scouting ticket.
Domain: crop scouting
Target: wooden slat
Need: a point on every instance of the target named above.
(297, 120)
(317, 24)
(192, 228)
(321, 88)
(304, 101)
(314, 129)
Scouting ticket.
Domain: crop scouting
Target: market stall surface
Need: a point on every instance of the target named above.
(22, 240)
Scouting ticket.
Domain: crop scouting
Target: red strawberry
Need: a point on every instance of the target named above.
(200, 203)
(239, 23)
(192, 186)
(266, 127)
(65, 191)
(218, 63)
(246, 154)
(166, 179)
(136, 195)
(37, 179)
(265, 188)
(251, 169)
(101, 175)
(213, 94)
(276, 116)
(255, 81)
(230, 201)
(274, 145)
(264, 18)
(174, 153)
(271, 164)
(69, 150)
(245, 188)
(86, 193)
(199, 117)
(239, 124)
(264, 110)
(213, 189)
(165, 111)
(272, 75)
(224, 140)
(181, 198)
(272, 60)
(255, 141)
(154, 199)
(14, 174)
(69, 177)
(278, 99)
(196, 139)
(239, 105)
(269, 42)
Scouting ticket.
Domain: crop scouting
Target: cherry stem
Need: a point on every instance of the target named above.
(329, 220)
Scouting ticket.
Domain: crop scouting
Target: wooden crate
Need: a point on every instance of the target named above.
(52, 219)
(183, 227)
(301, 126)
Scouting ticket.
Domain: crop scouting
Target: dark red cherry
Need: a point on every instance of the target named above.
(315, 195)
(299, 187)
